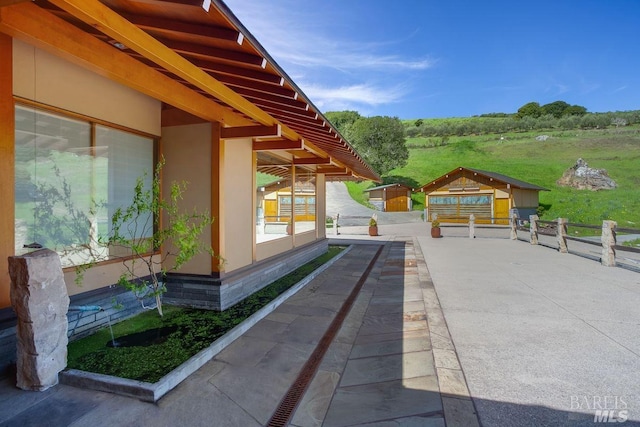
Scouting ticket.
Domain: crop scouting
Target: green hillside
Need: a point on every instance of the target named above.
(521, 156)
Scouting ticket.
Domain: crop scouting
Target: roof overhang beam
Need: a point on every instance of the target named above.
(277, 145)
(273, 131)
(35, 25)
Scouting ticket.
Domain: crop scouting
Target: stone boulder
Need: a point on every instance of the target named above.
(582, 177)
(39, 298)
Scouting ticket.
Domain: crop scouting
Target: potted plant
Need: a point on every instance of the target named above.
(435, 229)
(373, 227)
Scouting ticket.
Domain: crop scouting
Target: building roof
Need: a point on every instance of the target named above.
(206, 66)
(380, 187)
(515, 183)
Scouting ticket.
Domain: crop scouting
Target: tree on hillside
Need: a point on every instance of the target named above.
(556, 108)
(380, 141)
(342, 119)
(575, 110)
(530, 109)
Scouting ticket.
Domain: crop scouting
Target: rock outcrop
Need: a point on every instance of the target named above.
(582, 177)
(39, 298)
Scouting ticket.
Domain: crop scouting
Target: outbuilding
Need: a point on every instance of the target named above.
(489, 196)
(390, 197)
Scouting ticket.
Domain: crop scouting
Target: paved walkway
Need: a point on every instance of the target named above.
(391, 362)
(353, 213)
(543, 339)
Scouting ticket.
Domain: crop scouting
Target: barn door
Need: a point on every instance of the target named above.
(501, 211)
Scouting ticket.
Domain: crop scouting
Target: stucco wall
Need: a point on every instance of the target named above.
(65, 85)
(238, 203)
(187, 152)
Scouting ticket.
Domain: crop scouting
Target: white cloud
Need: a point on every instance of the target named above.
(308, 48)
(351, 97)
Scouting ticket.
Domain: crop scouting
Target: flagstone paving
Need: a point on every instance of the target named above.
(391, 362)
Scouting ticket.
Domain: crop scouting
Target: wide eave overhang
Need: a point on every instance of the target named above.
(202, 64)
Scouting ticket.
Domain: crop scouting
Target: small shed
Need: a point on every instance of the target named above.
(489, 196)
(390, 197)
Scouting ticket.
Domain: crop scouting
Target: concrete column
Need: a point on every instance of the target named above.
(608, 239)
(513, 222)
(39, 298)
(472, 226)
(533, 229)
(561, 235)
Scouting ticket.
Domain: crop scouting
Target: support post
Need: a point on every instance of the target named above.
(608, 239)
(513, 222)
(561, 235)
(472, 226)
(533, 229)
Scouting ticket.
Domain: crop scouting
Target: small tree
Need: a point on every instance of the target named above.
(138, 230)
(136, 233)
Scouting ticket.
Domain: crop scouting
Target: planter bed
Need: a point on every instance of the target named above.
(221, 329)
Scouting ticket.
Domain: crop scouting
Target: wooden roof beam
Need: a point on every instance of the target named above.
(35, 25)
(109, 22)
(251, 132)
(162, 25)
(259, 75)
(4, 3)
(277, 145)
(312, 161)
(331, 169)
(193, 49)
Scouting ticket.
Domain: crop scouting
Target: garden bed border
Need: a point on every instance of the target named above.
(152, 392)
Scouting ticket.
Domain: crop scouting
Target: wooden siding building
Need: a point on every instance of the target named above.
(390, 198)
(489, 196)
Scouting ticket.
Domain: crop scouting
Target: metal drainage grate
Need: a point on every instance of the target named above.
(291, 399)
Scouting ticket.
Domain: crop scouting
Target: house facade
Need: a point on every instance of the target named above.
(489, 196)
(94, 93)
(390, 197)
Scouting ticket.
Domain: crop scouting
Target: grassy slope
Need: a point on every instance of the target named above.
(542, 163)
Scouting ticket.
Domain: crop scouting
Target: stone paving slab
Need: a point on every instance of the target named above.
(379, 370)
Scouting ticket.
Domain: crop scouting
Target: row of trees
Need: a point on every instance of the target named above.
(380, 140)
(487, 125)
(555, 109)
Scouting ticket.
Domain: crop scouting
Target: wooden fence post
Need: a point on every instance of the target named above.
(608, 239)
(561, 235)
(472, 226)
(533, 229)
(513, 221)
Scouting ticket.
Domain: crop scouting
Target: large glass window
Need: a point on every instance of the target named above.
(70, 175)
(305, 200)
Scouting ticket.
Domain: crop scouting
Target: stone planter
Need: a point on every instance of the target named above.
(373, 230)
(435, 232)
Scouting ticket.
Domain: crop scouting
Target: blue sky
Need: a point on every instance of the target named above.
(452, 58)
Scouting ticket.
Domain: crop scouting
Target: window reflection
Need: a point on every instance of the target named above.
(273, 198)
(305, 200)
(285, 198)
